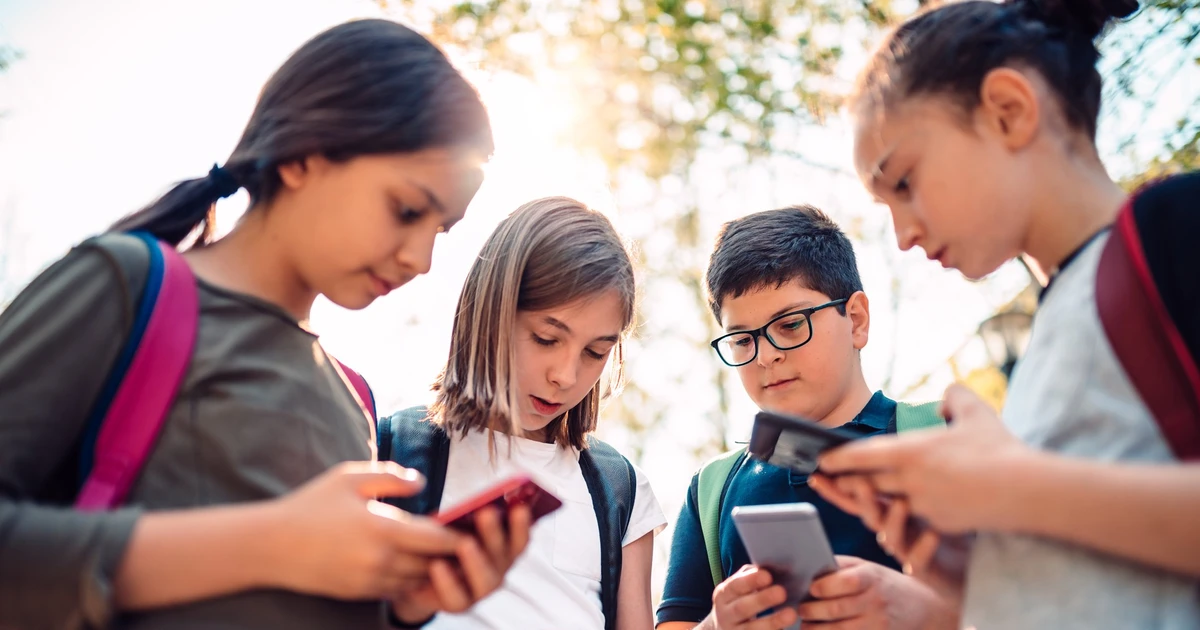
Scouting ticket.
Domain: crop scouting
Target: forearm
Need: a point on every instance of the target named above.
(1141, 512)
(184, 556)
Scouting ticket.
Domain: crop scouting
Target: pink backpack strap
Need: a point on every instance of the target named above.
(1146, 339)
(365, 397)
(148, 389)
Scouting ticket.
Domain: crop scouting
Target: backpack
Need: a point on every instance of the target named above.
(715, 475)
(411, 439)
(1148, 299)
(142, 384)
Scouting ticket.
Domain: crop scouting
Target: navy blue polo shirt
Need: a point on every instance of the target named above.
(689, 588)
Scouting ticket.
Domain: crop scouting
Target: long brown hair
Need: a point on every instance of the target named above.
(547, 253)
(360, 88)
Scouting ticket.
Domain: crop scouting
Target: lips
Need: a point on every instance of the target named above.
(383, 287)
(545, 407)
(779, 383)
(938, 255)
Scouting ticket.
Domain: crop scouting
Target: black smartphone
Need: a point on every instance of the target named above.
(791, 442)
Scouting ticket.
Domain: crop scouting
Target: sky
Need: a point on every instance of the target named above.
(112, 101)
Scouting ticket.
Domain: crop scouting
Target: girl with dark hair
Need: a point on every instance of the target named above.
(976, 124)
(255, 508)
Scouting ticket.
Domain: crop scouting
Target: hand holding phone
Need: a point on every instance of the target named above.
(518, 490)
(788, 540)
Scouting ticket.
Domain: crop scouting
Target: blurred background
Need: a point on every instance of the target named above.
(670, 116)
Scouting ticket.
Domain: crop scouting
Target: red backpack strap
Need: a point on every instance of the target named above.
(1145, 338)
(366, 398)
(148, 388)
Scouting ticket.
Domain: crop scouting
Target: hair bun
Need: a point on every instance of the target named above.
(1087, 17)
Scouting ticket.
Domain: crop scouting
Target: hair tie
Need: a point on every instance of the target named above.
(222, 182)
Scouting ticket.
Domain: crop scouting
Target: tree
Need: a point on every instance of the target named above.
(656, 85)
(1160, 42)
(666, 91)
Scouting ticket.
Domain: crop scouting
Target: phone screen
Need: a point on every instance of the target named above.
(511, 492)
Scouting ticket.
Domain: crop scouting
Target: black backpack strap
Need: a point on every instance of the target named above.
(1149, 305)
(410, 439)
(612, 483)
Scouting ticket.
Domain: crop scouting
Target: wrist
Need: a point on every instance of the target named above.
(1017, 478)
(272, 548)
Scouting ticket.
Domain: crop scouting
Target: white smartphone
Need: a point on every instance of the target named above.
(788, 540)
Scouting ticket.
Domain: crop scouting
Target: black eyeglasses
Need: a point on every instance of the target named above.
(786, 332)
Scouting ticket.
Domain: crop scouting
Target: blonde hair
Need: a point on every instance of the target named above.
(548, 253)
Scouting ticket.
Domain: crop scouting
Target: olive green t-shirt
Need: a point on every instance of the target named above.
(261, 410)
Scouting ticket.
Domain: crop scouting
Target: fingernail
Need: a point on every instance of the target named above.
(881, 538)
(412, 474)
(908, 570)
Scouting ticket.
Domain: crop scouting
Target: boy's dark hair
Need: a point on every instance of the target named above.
(949, 50)
(360, 88)
(772, 248)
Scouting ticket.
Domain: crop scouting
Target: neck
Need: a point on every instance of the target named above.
(853, 402)
(1081, 202)
(251, 260)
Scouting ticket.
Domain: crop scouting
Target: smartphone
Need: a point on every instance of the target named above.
(518, 490)
(791, 442)
(788, 540)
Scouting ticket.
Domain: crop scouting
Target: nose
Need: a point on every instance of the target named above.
(563, 372)
(416, 254)
(767, 353)
(907, 231)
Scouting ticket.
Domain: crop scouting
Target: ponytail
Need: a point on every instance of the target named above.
(183, 209)
(366, 87)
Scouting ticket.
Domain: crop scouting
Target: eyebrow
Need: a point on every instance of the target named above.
(877, 172)
(567, 329)
(429, 196)
(802, 304)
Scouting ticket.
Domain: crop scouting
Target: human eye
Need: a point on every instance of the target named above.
(406, 214)
(542, 341)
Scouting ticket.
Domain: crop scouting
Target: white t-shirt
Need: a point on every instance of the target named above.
(555, 584)
(1069, 394)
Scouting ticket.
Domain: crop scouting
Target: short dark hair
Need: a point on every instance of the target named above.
(772, 248)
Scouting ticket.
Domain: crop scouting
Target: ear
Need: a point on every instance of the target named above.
(1009, 107)
(296, 173)
(858, 309)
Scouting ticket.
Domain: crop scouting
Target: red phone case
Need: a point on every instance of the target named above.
(519, 490)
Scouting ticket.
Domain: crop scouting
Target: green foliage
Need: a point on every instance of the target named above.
(654, 80)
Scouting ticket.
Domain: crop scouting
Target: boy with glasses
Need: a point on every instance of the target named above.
(784, 285)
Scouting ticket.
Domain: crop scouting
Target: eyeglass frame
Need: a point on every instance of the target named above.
(762, 332)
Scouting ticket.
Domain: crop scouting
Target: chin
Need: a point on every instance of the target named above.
(788, 405)
(978, 271)
(351, 302)
(531, 423)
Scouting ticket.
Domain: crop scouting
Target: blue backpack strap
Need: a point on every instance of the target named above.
(144, 308)
(410, 439)
(612, 483)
